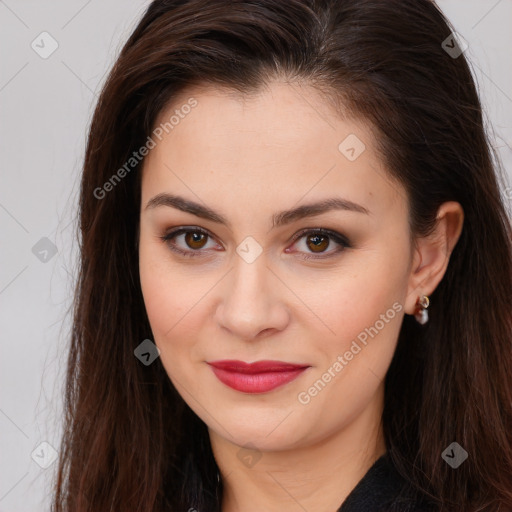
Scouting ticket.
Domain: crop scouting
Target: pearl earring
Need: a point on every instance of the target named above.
(421, 313)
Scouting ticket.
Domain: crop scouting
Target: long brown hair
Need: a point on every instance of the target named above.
(130, 442)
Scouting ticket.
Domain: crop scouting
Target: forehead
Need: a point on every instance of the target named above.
(279, 116)
(276, 146)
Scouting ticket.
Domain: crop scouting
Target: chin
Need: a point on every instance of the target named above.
(262, 433)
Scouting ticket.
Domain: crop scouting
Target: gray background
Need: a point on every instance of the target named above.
(45, 109)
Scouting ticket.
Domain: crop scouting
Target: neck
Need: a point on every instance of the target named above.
(317, 476)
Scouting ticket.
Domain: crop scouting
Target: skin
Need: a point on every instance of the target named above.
(249, 158)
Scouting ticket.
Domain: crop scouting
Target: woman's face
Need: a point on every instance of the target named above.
(257, 178)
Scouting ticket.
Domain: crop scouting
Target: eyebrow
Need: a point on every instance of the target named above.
(279, 219)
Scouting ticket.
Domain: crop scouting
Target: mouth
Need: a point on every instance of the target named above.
(257, 377)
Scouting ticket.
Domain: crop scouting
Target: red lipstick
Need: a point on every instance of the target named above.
(257, 377)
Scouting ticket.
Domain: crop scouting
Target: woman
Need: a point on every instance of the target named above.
(295, 269)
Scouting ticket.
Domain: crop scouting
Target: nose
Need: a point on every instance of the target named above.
(252, 304)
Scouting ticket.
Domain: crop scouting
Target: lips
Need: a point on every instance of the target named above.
(257, 377)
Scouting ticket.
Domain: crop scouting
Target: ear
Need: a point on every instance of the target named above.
(432, 253)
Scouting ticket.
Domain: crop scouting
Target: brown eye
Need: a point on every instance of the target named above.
(313, 243)
(188, 242)
(318, 242)
(195, 239)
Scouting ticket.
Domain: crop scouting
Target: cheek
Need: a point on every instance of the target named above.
(365, 313)
(169, 317)
(348, 300)
(174, 302)
(165, 295)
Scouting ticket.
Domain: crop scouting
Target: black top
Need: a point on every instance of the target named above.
(382, 489)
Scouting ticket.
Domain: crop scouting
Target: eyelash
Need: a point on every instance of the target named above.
(336, 237)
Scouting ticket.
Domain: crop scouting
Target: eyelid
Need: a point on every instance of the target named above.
(324, 231)
(174, 232)
(336, 237)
